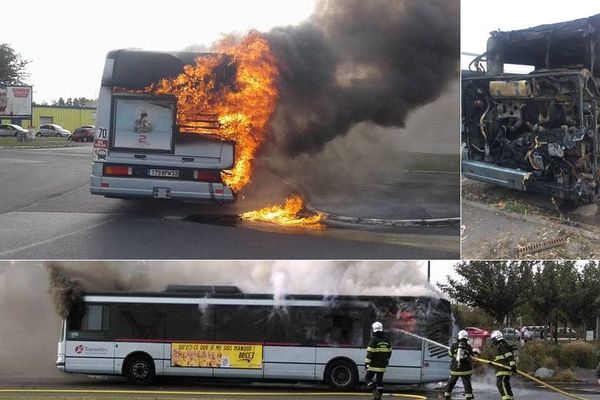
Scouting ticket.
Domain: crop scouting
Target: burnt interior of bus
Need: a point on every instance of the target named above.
(539, 130)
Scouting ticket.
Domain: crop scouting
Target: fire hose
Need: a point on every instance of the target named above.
(490, 362)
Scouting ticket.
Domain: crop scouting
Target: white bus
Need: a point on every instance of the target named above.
(220, 332)
(139, 149)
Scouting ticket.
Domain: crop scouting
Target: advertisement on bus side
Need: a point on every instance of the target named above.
(214, 355)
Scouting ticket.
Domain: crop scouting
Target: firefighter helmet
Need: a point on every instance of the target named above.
(463, 335)
(496, 335)
(377, 327)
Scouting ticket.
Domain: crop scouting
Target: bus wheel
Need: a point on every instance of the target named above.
(139, 370)
(341, 375)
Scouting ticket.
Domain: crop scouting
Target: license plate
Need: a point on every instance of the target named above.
(170, 173)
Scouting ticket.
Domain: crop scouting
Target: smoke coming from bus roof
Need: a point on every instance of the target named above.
(69, 280)
(354, 61)
(65, 291)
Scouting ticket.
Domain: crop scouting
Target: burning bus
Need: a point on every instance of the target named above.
(140, 150)
(536, 131)
(220, 332)
(183, 125)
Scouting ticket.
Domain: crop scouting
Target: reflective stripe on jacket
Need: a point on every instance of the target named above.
(504, 356)
(378, 354)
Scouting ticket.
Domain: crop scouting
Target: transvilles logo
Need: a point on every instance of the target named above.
(79, 349)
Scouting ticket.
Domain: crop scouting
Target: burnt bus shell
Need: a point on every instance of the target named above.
(562, 90)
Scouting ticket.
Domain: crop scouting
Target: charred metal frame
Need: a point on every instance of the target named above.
(571, 65)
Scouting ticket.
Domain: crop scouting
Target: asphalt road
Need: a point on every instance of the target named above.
(47, 212)
(69, 386)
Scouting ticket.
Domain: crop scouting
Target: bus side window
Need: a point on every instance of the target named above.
(293, 325)
(343, 327)
(190, 322)
(134, 321)
(241, 323)
(93, 323)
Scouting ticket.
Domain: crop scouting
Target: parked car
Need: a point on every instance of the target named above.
(477, 336)
(12, 130)
(52, 130)
(511, 334)
(84, 133)
(533, 332)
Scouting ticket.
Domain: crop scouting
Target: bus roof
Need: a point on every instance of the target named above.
(137, 69)
(566, 42)
(241, 295)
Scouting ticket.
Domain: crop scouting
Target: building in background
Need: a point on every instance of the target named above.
(67, 117)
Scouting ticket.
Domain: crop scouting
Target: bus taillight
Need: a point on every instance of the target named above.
(208, 175)
(117, 170)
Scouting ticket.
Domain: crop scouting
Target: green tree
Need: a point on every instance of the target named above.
(12, 66)
(496, 287)
(61, 102)
(571, 293)
(590, 287)
(471, 316)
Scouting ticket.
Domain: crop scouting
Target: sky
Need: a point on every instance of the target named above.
(67, 55)
(67, 40)
(480, 17)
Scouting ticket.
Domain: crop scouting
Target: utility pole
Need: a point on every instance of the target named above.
(429, 271)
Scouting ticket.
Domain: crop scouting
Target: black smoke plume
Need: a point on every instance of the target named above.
(65, 291)
(361, 60)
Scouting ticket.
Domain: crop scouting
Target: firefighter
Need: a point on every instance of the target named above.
(504, 356)
(378, 357)
(461, 365)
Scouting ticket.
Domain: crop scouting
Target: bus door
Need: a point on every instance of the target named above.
(435, 363)
(89, 347)
(437, 326)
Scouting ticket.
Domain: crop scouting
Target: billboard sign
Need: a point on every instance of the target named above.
(15, 101)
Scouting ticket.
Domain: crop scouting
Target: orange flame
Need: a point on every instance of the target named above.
(238, 112)
(288, 215)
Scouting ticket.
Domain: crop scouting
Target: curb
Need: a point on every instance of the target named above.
(453, 221)
(36, 147)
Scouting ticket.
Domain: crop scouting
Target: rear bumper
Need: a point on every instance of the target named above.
(60, 362)
(146, 188)
(490, 173)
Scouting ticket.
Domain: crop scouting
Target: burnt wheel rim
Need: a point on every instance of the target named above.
(341, 375)
(140, 370)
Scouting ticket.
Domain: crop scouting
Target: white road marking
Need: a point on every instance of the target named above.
(55, 238)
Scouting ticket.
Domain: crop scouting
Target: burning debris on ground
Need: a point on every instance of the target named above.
(293, 213)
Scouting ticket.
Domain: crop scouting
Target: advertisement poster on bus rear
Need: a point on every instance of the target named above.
(214, 355)
(144, 125)
(15, 101)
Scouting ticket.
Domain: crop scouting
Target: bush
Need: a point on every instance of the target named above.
(565, 376)
(578, 354)
(532, 355)
(550, 362)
